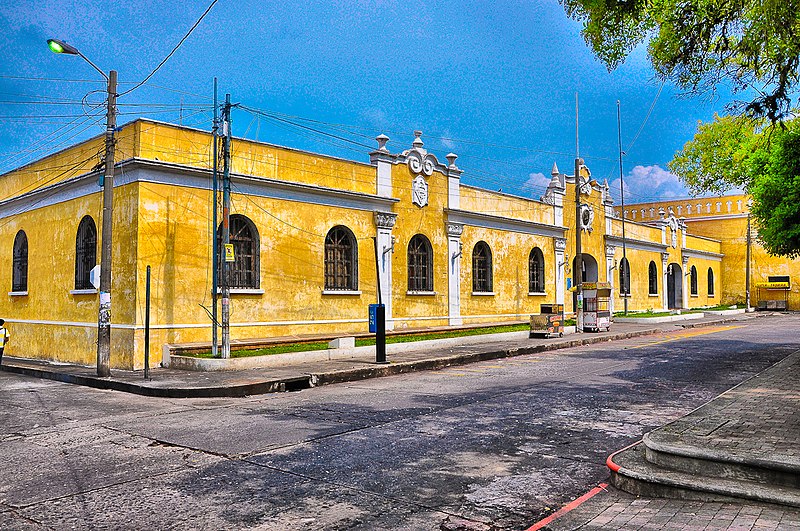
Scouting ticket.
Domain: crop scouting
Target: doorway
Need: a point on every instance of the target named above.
(674, 286)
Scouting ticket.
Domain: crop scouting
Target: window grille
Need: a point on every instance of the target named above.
(652, 278)
(341, 260)
(244, 271)
(481, 268)
(85, 252)
(536, 271)
(624, 277)
(710, 281)
(693, 280)
(420, 264)
(19, 279)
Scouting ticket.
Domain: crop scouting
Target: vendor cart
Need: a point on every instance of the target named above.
(550, 321)
(596, 312)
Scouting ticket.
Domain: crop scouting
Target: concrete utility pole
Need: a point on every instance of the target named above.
(622, 211)
(214, 243)
(747, 264)
(226, 227)
(104, 314)
(577, 272)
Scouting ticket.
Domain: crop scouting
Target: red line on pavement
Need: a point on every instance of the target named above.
(568, 507)
(610, 461)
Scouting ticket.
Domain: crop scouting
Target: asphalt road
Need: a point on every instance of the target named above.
(498, 444)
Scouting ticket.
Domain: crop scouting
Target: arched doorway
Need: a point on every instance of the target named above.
(589, 274)
(674, 286)
(589, 268)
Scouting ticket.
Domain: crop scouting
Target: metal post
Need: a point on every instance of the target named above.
(147, 327)
(104, 313)
(747, 266)
(226, 228)
(214, 245)
(380, 313)
(622, 211)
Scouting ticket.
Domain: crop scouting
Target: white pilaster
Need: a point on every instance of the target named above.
(684, 281)
(610, 251)
(382, 159)
(664, 266)
(560, 245)
(384, 222)
(454, 231)
(453, 182)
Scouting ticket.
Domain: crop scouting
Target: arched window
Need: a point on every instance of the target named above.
(693, 281)
(481, 268)
(85, 252)
(710, 281)
(624, 277)
(420, 264)
(19, 276)
(341, 260)
(652, 278)
(536, 271)
(244, 271)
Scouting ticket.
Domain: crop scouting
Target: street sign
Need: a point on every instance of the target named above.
(229, 252)
(94, 277)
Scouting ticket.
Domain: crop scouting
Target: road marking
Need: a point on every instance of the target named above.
(684, 335)
(568, 507)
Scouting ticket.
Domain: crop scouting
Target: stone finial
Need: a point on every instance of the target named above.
(451, 159)
(382, 140)
(417, 143)
(661, 212)
(554, 171)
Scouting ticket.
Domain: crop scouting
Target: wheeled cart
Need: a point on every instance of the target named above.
(550, 321)
(596, 313)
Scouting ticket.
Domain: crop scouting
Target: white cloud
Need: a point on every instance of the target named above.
(649, 183)
(536, 183)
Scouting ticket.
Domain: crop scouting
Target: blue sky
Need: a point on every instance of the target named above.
(493, 82)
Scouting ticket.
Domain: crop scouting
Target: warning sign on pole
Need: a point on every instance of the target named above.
(229, 252)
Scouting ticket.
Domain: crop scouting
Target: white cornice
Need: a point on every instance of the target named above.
(487, 221)
(637, 244)
(138, 170)
(705, 255)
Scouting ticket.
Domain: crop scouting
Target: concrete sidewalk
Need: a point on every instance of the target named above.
(733, 463)
(295, 375)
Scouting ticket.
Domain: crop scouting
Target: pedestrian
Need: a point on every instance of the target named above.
(4, 337)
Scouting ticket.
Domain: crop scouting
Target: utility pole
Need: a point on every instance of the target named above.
(622, 210)
(214, 244)
(104, 314)
(226, 227)
(577, 272)
(747, 266)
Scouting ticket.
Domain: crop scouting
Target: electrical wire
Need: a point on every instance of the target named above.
(142, 82)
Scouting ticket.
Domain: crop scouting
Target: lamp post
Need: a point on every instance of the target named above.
(104, 313)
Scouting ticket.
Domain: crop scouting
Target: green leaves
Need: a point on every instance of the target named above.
(751, 45)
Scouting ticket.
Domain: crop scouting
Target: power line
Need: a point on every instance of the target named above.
(142, 82)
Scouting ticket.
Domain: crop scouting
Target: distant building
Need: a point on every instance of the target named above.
(307, 230)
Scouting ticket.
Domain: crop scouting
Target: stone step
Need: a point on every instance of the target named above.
(665, 453)
(633, 473)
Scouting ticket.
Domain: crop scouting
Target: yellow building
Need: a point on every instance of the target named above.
(310, 235)
(725, 219)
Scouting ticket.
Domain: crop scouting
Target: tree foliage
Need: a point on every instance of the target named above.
(751, 45)
(762, 159)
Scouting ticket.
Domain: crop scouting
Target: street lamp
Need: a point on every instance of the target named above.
(104, 313)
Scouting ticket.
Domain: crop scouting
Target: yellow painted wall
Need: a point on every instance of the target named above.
(505, 205)
(69, 331)
(510, 253)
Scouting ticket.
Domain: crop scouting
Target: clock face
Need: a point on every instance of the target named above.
(585, 217)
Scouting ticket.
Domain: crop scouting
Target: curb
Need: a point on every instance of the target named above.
(313, 379)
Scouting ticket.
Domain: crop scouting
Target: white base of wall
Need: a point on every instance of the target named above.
(663, 319)
(276, 360)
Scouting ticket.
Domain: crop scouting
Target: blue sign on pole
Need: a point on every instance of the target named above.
(373, 317)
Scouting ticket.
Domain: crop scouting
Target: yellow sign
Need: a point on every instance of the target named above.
(773, 285)
(229, 252)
